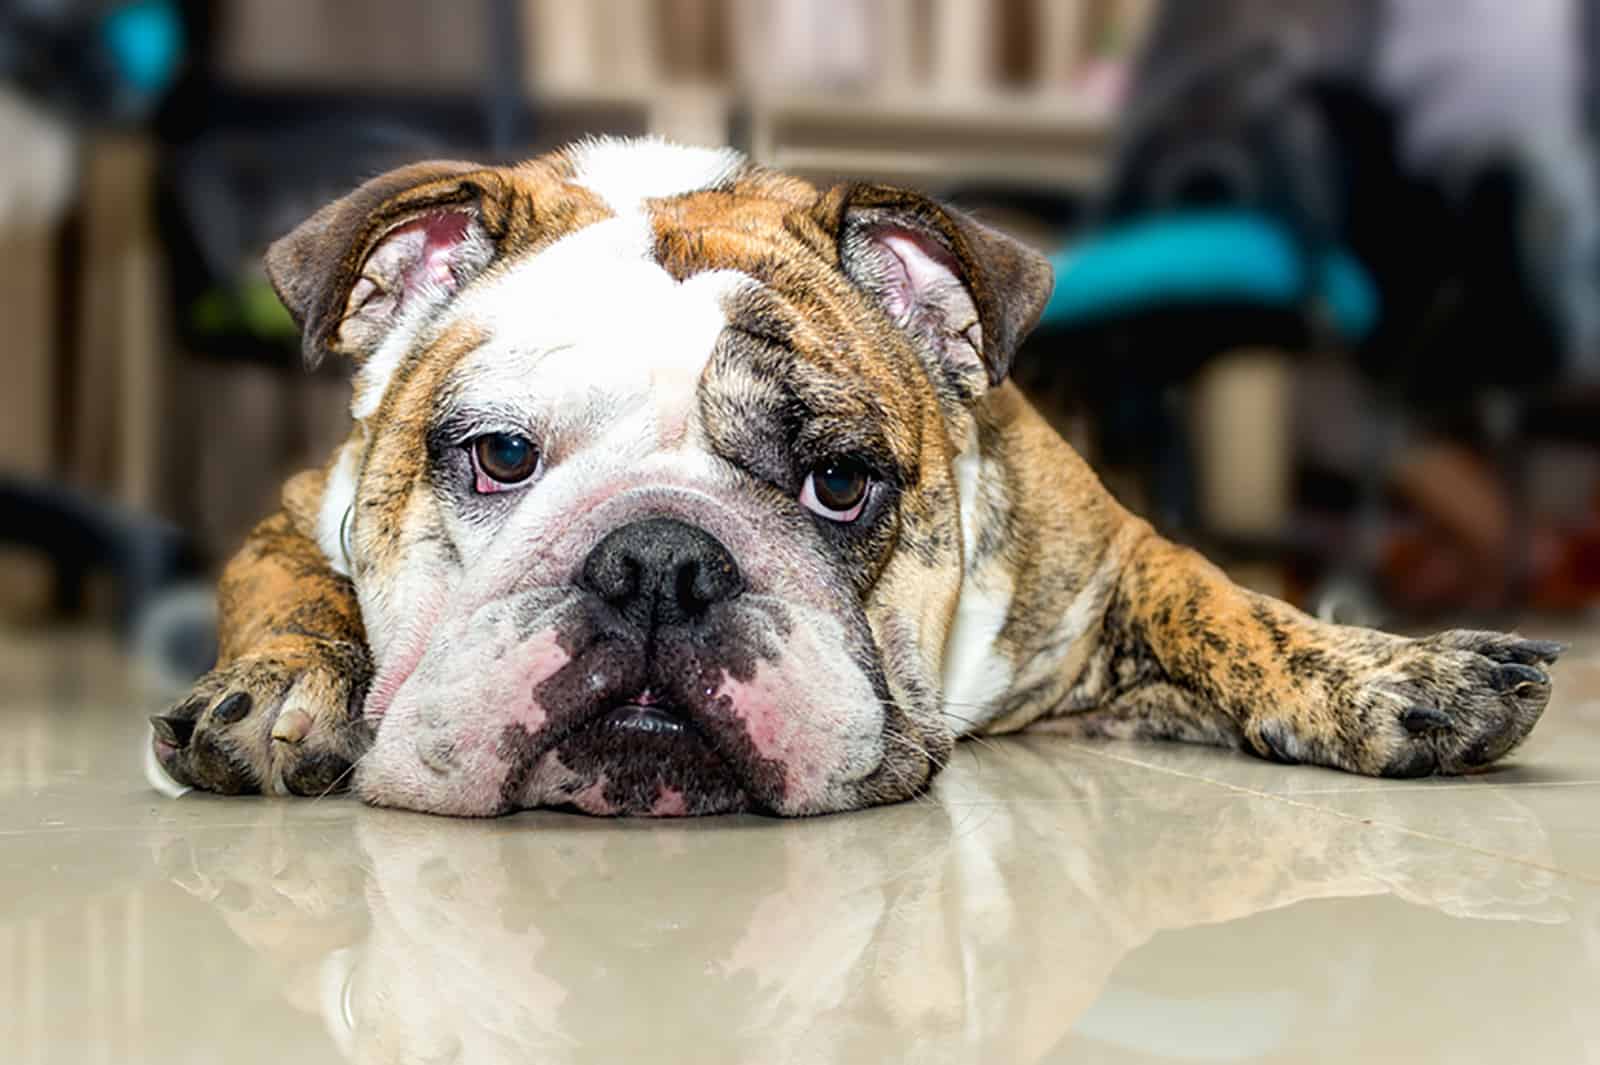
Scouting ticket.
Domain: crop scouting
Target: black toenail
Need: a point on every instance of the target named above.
(1542, 650)
(172, 730)
(1425, 719)
(1507, 678)
(231, 709)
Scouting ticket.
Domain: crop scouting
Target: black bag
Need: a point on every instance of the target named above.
(1279, 106)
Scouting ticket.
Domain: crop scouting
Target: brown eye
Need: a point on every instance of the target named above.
(503, 460)
(836, 489)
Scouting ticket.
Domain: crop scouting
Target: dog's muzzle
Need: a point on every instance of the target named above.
(662, 581)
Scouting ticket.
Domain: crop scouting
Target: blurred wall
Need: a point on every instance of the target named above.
(100, 394)
(929, 92)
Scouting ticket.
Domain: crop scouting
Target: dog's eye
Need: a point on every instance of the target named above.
(836, 489)
(502, 461)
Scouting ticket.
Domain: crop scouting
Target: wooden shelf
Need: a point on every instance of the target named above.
(1050, 140)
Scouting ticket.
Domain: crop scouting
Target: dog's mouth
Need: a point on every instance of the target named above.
(648, 718)
(649, 756)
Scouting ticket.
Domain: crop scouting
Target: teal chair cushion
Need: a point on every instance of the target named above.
(1204, 258)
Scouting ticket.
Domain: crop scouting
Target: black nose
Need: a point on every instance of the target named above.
(661, 572)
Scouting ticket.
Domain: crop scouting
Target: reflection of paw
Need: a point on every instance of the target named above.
(272, 869)
(285, 723)
(1450, 703)
(1464, 877)
(291, 888)
(1484, 888)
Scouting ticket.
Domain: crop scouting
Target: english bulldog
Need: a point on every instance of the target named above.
(678, 485)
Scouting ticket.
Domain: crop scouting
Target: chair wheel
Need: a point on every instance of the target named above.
(176, 634)
(1347, 600)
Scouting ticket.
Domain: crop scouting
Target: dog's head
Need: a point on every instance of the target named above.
(655, 502)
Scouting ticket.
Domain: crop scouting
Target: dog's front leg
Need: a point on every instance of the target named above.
(281, 712)
(1186, 654)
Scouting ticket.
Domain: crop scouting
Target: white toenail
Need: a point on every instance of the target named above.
(291, 726)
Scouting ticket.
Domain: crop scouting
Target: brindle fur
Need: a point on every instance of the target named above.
(291, 640)
(1109, 630)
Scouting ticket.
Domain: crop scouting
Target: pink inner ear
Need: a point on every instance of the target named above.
(418, 255)
(441, 235)
(918, 266)
(444, 234)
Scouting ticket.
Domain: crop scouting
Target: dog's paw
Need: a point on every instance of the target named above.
(280, 723)
(1451, 703)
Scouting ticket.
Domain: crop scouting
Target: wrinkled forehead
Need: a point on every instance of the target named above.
(727, 286)
(592, 315)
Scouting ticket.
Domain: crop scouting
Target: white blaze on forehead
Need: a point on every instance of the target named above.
(624, 173)
(594, 314)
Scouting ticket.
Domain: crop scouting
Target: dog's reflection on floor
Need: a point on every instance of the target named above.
(959, 927)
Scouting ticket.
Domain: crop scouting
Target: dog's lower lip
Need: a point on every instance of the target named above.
(648, 719)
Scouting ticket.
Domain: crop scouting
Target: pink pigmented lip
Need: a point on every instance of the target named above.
(670, 803)
(758, 715)
(593, 800)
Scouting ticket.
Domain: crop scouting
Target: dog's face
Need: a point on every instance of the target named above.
(655, 502)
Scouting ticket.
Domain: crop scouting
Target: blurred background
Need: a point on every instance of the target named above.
(1328, 297)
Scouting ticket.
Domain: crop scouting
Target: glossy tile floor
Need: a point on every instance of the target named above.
(1049, 902)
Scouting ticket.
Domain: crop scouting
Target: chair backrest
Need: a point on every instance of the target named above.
(1282, 107)
(1246, 104)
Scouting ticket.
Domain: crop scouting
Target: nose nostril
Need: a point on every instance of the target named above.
(718, 580)
(688, 592)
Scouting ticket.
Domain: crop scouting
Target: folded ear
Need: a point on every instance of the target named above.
(967, 294)
(401, 242)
